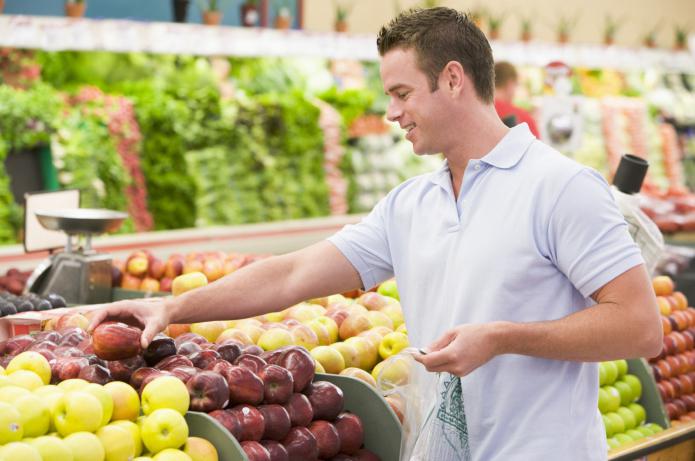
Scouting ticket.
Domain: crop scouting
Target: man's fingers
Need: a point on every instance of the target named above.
(148, 334)
(442, 342)
(98, 316)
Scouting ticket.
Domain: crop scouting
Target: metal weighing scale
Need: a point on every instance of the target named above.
(79, 274)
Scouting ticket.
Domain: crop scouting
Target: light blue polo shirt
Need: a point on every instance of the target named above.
(532, 235)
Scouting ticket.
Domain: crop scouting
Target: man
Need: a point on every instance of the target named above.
(514, 266)
(506, 82)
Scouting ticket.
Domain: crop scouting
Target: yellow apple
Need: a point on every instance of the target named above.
(188, 281)
(52, 448)
(162, 429)
(35, 415)
(253, 331)
(360, 374)
(209, 330)
(19, 451)
(77, 411)
(272, 317)
(320, 331)
(389, 288)
(11, 393)
(247, 322)
(330, 325)
(170, 454)
(383, 331)
(353, 325)
(11, 429)
(275, 338)
(349, 353)
(31, 361)
(118, 443)
(356, 308)
(391, 373)
(379, 318)
(402, 329)
(85, 446)
(74, 384)
(366, 352)
(134, 432)
(126, 403)
(392, 344)
(48, 390)
(394, 312)
(165, 392)
(2, 371)
(236, 335)
(105, 399)
(302, 312)
(318, 368)
(337, 299)
(26, 379)
(330, 358)
(304, 336)
(200, 449)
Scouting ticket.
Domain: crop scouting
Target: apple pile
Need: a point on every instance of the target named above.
(674, 367)
(145, 272)
(78, 420)
(11, 304)
(623, 418)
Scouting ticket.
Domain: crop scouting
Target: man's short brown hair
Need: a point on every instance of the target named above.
(438, 36)
(504, 73)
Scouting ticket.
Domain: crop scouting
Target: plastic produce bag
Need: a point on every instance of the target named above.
(434, 426)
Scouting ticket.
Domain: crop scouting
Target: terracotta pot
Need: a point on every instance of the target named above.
(494, 34)
(212, 18)
(650, 43)
(563, 37)
(75, 10)
(341, 26)
(526, 36)
(283, 22)
(608, 41)
(249, 15)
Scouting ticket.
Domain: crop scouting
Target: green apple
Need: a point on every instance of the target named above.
(134, 431)
(330, 359)
(612, 443)
(208, 330)
(9, 394)
(26, 379)
(636, 385)
(622, 367)
(35, 414)
(142, 458)
(617, 423)
(200, 449)
(105, 399)
(126, 403)
(11, 429)
(622, 438)
(628, 417)
(117, 441)
(31, 361)
(77, 411)
(19, 451)
(74, 384)
(601, 374)
(634, 434)
(85, 446)
(392, 344)
(165, 392)
(625, 391)
(611, 370)
(646, 431)
(164, 428)
(607, 425)
(639, 412)
(402, 329)
(2, 371)
(613, 402)
(304, 336)
(389, 288)
(52, 448)
(275, 338)
(320, 330)
(655, 427)
(170, 454)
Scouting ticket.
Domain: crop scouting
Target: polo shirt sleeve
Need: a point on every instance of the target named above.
(366, 246)
(588, 236)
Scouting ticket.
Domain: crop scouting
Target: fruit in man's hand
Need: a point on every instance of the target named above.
(116, 341)
(165, 392)
(164, 428)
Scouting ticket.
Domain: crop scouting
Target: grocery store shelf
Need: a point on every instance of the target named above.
(58, 33)
(663, 445)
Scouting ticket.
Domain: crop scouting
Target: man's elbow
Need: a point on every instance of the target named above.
(650, 341)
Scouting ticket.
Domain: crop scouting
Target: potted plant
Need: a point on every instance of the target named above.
(249, 13)
(341, 13)
(212, 14)
(526, 29)
(649, 38)
(610, 28)
(680, 37)
(180, 8)
(75, 8)
(494, 23)
(564, 27)
(283, 19)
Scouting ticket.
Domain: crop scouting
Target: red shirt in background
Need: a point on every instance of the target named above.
(505, 109)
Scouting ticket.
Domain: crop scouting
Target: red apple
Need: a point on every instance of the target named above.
(173, 268)
(251, 349)
(301, 365)
(350, 431)
(277, 451)
(195, 337)
(365, 455)
(95, 374)
(255, 451)
(174, 361)
(159, 348)
(327, 438)
(116, 341)
(252, 362)
(67, 368)
(187, 348)
(229, 350)
(165, 284)
(184, 373)
(244, 386)
(301, 445)
(274, 356)
(67, 351)
(277, 421)
(50, 335)
(220, 366)
(326, 399)
(208, 390)
(121, 370)
(157, 269)
(300, 410)
(278, 383)
(202, 359)
(14, 346)
(139, 375)
(252, 423)
(229, 420)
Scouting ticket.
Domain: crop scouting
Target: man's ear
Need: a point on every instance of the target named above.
(454, 78)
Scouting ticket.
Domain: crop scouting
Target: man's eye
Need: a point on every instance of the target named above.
(402, 95)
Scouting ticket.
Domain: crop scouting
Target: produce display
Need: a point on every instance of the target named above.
(674, 367)
(11, 304)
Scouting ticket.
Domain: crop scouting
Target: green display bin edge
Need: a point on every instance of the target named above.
(651, 399)
(382, 430)
(119, 294)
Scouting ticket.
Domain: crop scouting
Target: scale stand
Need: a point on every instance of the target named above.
(79, 274)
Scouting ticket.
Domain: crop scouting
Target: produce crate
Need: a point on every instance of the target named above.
(650, 400)
(382, 430)
(119, 294)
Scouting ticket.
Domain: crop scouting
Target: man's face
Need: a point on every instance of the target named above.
(417, 109)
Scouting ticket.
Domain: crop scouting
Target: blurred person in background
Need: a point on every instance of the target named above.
(506, 83)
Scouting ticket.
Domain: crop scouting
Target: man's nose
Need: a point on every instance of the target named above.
(393, 111)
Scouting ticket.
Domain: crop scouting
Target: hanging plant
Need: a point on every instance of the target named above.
(680, 35)
(610, 28)
(564, 27)
(342, 11)
(649, 38)
(494, 23)
(526, 29)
